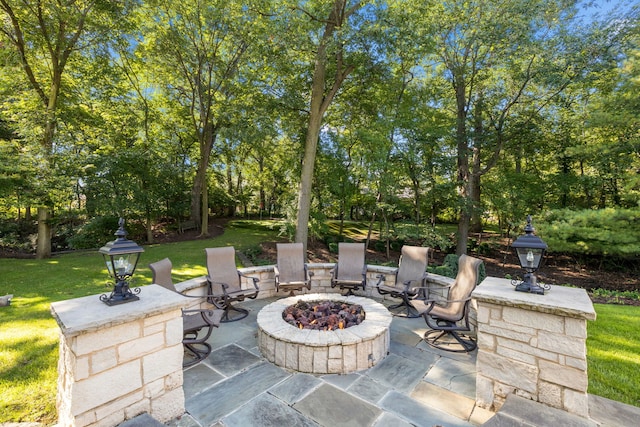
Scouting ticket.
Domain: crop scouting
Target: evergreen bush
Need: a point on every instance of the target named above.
(604, 232)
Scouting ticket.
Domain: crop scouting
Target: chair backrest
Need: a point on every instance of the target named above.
(161, 271)
(413, 263)
(221, 266)
(350, 261)
(291, 262)
(465, 282)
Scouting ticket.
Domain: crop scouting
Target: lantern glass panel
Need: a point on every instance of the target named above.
(530, 257)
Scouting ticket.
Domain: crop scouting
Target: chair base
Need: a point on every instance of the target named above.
(197, 354)
(452, 341)
(227, 317)
(408, 310)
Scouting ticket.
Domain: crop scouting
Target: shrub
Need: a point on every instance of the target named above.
(604, 232)
(449, 268)
(100, 230)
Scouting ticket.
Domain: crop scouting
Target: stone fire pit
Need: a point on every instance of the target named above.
(324, 352)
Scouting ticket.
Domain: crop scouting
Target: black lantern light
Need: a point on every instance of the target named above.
(121, 257)
(530, 250)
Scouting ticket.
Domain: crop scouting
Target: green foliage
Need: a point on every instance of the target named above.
(100, 230)
(15, 235)
(449, 268)
(616, 296)
(606, 232)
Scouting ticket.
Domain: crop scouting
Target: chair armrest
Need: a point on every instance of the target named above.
(381, 277)
(308, 273)
(254, 280)
(212, 283)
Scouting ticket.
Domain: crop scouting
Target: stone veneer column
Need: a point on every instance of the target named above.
(532, 345)
(120, 361)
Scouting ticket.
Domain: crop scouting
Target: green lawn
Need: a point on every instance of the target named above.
(613, 353)
(29, 335)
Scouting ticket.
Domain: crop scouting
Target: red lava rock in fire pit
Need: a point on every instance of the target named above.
(323, 315)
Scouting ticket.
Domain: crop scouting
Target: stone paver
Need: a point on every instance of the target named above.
(418, 413)
(295, 388)
(225, 397)
(398, 373)
(368, 389)
(454, 375)
(231, 359)
(267, 410)
(611, 414)
(346, 410)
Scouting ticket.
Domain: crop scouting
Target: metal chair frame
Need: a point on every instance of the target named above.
(225, 283)
(409, 282)
(350, 272)
(449, 318)
(193, 320)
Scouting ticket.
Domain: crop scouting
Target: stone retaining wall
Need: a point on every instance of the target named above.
(321, 283)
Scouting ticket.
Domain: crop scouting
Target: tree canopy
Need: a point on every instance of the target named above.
(432, 111)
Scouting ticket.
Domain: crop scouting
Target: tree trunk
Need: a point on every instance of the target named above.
(463, 166)
(199, 191)
(320, 101)
(44, 233)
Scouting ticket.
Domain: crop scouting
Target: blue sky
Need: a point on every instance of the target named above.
(603, 7)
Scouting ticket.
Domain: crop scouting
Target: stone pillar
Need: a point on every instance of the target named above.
(532, 345)
(120, 361)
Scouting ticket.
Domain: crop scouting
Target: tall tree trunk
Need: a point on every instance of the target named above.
(463, 166)
(44, 233)
(200, 189)
(320, 101)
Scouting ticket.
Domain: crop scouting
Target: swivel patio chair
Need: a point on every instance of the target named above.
(409, 282)
(448, 319)
(193, 320)
(291, 272)
(225, 283)
(350, 272)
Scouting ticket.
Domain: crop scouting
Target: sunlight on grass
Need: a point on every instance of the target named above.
(613, 353)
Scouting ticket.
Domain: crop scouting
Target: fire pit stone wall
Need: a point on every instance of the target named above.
(324, 352)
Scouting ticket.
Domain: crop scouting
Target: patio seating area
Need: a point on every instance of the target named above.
(415, 385)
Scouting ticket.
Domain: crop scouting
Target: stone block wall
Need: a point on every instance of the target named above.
(533, 346)
(118, 362)
(320, 281)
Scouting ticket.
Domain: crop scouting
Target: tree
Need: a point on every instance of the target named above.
(504, 62)
(44, 35)
(323, 90)
(200, 51)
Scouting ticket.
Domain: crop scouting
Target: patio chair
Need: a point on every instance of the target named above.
(448, 319)
(351, 270)
(409, 280)
(291, 272)
(193, 320)
(225, 283)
